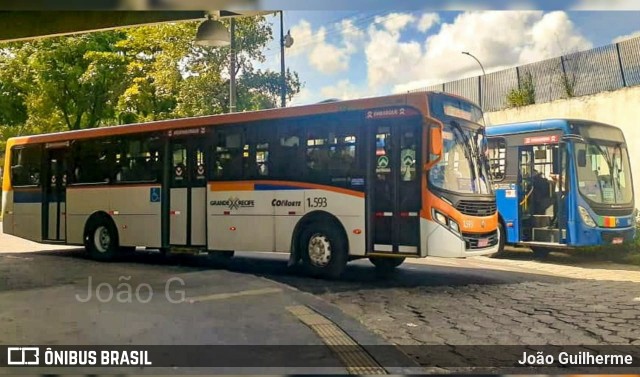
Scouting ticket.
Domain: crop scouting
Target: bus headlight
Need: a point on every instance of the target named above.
(441, 218)
(446, 221)
(454, 226)
(586, 218)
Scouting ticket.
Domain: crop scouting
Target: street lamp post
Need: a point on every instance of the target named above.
(213, 34)
(480, 91)
(286, 41)
(232, 67)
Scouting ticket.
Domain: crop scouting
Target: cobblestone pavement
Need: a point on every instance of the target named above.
(529, 313)
(547, 305)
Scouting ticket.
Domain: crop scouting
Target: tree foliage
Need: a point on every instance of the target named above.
(132, 75)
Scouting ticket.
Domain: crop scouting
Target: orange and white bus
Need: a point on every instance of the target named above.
(380, 178)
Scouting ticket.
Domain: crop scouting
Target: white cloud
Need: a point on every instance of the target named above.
(325, 57)
(395, 22)
(344, 90)
(499, 39)
(625, 37)
(427, 21)
(304, 96)
(553, 35)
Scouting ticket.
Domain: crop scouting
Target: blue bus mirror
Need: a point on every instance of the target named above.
(582, 158)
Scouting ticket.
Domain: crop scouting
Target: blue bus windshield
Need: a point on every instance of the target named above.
(604, 173)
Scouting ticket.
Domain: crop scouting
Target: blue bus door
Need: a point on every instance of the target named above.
(539, 193)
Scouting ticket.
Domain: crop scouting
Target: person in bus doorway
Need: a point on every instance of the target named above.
(541, 193)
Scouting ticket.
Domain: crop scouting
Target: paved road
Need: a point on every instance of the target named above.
(56, 296)
(428, 302)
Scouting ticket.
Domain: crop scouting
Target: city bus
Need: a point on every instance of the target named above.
(561, 184)
(380, 178)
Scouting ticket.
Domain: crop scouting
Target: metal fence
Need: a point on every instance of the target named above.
(581, 73)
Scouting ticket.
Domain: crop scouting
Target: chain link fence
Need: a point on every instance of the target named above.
(581, 73)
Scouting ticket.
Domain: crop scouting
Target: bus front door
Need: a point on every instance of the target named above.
(54, 198)
(540, 193)
(187, 191)
(395, 200)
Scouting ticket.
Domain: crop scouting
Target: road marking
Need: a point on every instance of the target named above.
(534, 267)
(14, 257)
(354, 357)
(224, 296)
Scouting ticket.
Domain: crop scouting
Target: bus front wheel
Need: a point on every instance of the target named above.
(386, 264)
(101, 239)
(323, 250)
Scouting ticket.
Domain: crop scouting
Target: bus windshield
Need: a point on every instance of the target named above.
(462, 168)
(604, 175)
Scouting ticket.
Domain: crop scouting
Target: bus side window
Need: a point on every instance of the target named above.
(497, 158)
(228, 155)
(93, 160)
(25, 165)
(137, 159)
(287, 159)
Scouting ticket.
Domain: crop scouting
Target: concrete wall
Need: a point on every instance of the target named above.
(620, 108)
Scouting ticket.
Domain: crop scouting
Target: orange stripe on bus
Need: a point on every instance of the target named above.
(250, 186)
(231, 186)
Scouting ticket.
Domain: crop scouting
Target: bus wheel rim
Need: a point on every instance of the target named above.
(102, 239)
(319, 250)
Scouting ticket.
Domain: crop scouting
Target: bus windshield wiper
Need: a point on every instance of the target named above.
(468, 152)
(607, 158)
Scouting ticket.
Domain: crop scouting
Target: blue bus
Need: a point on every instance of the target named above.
(561, 184)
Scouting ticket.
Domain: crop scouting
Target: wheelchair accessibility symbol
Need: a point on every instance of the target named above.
(154, 194)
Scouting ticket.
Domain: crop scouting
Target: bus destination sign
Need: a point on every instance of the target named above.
(548, 139)
(394, 112)
(187, 131)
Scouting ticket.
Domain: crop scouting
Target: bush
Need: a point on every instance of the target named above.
(524, 95)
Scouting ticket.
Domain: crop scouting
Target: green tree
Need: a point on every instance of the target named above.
(132, 75)
(80, 76)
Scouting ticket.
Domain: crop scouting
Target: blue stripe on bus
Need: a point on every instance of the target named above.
(265, 187)
(27, 196)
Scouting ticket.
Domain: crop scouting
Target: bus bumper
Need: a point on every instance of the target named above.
(603, 236)
(441, 242)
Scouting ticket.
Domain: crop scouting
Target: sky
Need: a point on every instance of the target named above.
(352, 53)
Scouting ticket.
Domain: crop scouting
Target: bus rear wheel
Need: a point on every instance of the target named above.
(323, 250)
(386, 264)
(101, 239)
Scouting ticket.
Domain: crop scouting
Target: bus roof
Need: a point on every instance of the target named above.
(561, 124)
(414, 99)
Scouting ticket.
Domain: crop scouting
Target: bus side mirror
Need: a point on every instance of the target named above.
(582, 158)
(436, 140)
(435, 146)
